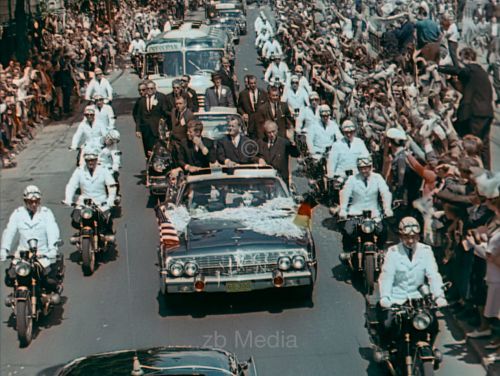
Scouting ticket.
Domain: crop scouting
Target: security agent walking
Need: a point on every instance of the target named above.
(406, 267)
(33, 221)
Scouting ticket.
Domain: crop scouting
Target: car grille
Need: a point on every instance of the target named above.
(242, 262)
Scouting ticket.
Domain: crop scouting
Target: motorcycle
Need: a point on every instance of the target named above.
(137, 63)
(90, 240)
(30, 300)
(412, 353)
(366, 258)
(160, 163)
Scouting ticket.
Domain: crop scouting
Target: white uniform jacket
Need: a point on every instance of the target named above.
(400, 278)
(295, 99)
(110, 158)
(307, 117)
(106, 116)
(271, 48)
(137, 46)
(365, 197)
(102, 87)
(88, 134)
(92, 186)
(344, 157)
(42, 226)
(274, 70)
(318, 137)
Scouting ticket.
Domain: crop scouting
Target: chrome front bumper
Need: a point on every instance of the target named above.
(247, 282)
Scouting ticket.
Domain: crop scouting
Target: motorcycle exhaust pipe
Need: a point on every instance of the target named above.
(278, 279)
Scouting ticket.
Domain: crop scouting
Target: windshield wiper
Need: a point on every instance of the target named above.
(194, 65)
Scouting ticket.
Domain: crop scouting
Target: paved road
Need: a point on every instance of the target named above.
(118, 308)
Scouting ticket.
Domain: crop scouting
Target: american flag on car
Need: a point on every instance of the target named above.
(168, 233)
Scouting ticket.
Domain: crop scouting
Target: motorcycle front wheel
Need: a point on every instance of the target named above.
(424, 368)
(369, 274)
(24, 322)
(88, 256)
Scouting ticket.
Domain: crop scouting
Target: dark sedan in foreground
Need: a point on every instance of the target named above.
(161, 361)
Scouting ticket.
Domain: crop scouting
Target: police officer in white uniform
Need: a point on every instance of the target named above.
(308, 115)
(34, 221)
(137, 45)
(324, 133)
(96, 183)
(277, 68)
(104, 112)
(89, 131)
(406, 267)
(295, 96)
(361, 192)
(99, 85)
(345, 152)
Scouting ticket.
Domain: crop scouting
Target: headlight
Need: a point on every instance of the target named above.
(23, 269)
(158, 165)
(191, 268)
(87, 213)
(176, 269)
(284, 263)
(421, 321)
(299, 262)
(368, 227)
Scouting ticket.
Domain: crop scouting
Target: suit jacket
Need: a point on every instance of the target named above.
(477, 93)
(283, 118)
(171, 102)
(188, 154)
(227, 80)
(225, 100)
(245, 107)
(194, 99)
(278, 155)
(179, 126)
(241, 154)
(150, 119)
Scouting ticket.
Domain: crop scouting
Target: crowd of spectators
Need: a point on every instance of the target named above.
(408, 66)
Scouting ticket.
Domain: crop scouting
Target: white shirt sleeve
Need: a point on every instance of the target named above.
(10, 231)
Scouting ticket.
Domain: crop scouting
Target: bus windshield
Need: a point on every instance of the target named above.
(165, 63)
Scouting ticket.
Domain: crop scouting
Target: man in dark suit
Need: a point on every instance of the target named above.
(228, 77)
(236, 148)
(249, 102)
(218, 95)
(177, 91)
(150, 109)
(275, 150)
(475, 112)
(181, 115)
(193, 96)
(196, 152)
(276, 111)
(142, 88)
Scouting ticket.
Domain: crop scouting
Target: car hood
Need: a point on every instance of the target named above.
(219, 233)
(205, 360)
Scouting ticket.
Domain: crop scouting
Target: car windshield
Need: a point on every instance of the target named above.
(214, 125)
(205, 60)
(216, 195)
(165, 63)
(230, 13)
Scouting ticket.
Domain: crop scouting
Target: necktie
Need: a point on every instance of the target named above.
(148, 103)
(409, 252)
(270, 144)
(366, 182)
(252, 99)
(275, 110)
(235, 142)
(218, 95)
(178, 118)
(348, 143)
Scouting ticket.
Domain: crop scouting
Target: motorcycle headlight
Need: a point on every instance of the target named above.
(23, 269)
(368, 227)
(284, 263)
(191, 268)
(421, 321)
(158, 165)
(87, 213)
(299, 262)
(176, 269)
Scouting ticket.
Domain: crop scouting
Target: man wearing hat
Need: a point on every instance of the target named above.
(271, 46)
(323, 133)
(345, 152)
(89, 130)
(277, 69)
(99, 85)
(104, 112)
(218, 95)
(295, 96)
(308, 115)
(303, 82)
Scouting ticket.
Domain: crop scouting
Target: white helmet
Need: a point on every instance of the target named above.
(113, 136)
(409, 226)
(32, 192)
(348, 125)
(89, 110)
(324, 109)
(396, 134)
(364, 161)
(90, 152)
